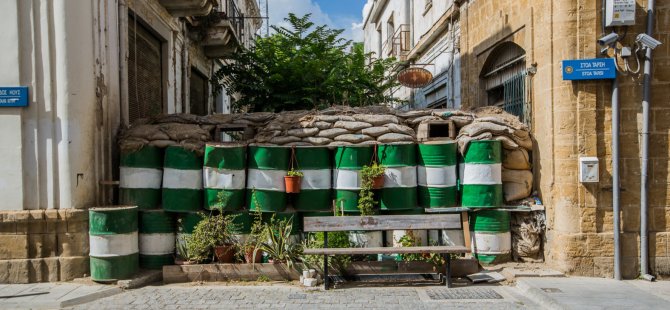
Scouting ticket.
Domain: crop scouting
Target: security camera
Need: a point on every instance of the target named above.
(647, 41)
(608, 39)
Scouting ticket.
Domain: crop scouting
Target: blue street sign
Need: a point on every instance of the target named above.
(589, 69)
(14, 96)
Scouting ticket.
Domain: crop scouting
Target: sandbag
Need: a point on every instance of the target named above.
(179, 132)
(317, 140)
(353, 138)
(339, 143)
(266, 136)
(414, 113)
(332, 133)
(517, 184)
(162, 143)
(375, 131)
(302, 132)
(351, 126)
(323, 125)
(419, 120)
(516, 159)
(284, 139)
(259, 117)
(507, 143)
(402, 129)
(148, 132)
(376, 119)
(299, 143)
(333, 118)
(394, 137)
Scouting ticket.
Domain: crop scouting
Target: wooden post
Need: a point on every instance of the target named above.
(325, 262)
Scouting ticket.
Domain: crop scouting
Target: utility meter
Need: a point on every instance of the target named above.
(619, 13)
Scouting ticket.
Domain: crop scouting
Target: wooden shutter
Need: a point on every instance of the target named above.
(198, 93)
(145, 72)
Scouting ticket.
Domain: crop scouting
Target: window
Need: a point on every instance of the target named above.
(504, 80)
(198, 93)
(379, 42)
(145, 72)
(390, 29)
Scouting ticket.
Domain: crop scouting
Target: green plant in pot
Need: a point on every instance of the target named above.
(183, 256)
(248, 247)
(213, 236)
(292, 181)
(275, 240)
(371, 177)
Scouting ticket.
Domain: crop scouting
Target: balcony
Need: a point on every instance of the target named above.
(222, 31)
(398, 45)
(185, 8)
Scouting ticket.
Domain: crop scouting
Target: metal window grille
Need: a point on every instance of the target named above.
(145, 77)
(514, 92)
(198, 93)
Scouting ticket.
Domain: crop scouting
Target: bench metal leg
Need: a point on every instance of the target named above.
(448, 271)
(326, 278)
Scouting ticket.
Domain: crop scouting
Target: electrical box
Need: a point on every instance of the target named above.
(619, 13)
(588, 170)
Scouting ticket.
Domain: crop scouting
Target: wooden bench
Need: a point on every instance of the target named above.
(327, 224)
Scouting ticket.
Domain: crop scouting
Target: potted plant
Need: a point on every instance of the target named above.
(277, 243)
(292, 180)
(214, 234)
(249, 246)
(373, 174)
(370, 177)
(183, 257)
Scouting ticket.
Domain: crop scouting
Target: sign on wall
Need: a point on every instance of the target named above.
(589, 69)
(14, 96)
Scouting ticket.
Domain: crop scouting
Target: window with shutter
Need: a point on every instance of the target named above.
(198, 93)
(145, 72)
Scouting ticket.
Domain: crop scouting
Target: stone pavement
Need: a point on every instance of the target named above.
(294, 297)
(51, 295)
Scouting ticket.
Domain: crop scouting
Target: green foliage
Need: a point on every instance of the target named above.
(366, 199)
(410, 240)
(263, 278)
(338, 239)
(294, 173)
(275, 240)
(212, 231)
(304, 66)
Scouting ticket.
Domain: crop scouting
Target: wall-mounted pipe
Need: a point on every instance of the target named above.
(616, 189)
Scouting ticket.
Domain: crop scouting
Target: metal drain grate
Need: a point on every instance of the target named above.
(462, 293)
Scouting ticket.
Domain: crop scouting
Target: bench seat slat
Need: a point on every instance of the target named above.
(387, 250)
(382, 222)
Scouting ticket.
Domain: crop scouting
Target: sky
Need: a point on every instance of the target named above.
(338, 14)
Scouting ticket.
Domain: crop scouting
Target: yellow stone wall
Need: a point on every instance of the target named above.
(573, 119)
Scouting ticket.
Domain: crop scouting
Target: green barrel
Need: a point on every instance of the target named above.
(268, 166)
(157, 239)
(491, 238)
(349, 160)
(182, 180)
(436, 174)
(482, 179)
(315, 188)
(113, 241)
(224, 176)
(399, 161)
(242, 223)
(141, 176)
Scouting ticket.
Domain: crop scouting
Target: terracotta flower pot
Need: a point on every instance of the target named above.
(378, 182)
(249, 256)
(292, 184)
(225, 253)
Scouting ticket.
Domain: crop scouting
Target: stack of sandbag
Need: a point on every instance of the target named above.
(492, 123)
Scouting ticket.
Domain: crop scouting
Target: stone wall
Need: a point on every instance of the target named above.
(573, 119)
(43, 245)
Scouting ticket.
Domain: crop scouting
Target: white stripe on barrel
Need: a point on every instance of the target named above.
(223, 178)
(271, 180)
(485, 174)
(182, 179)
(491, 243)
(347, 179)
(436, 176)
(315, 179)
(114, 245)
(157, 244)
(400, 177)
(140, 177)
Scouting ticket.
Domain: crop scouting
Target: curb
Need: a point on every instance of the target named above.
(538, 296)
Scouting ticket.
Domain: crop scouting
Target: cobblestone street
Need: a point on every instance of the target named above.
(292, 297)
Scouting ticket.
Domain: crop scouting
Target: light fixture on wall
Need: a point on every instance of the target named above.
(415, 77)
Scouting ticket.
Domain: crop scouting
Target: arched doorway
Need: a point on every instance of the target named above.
(503, 79)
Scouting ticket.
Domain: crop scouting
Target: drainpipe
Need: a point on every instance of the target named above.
(644, 242)
(615, 179)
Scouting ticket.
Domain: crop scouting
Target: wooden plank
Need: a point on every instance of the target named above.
(388, 250)
(466, 228)
(382, 222)
(446, 210)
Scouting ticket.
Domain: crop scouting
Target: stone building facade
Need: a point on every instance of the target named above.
(519, 45)
(92, 67)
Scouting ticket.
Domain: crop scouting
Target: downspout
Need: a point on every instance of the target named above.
(615, 179)
(646, 93)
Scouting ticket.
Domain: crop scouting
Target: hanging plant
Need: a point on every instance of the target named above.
(293, 177)
(372, 177)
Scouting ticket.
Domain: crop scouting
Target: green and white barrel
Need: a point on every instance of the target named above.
(436, 174)
(182, 180)
(400, 180)
(113, 240)
(451, 237)
(482, 175)
(491, 239)
(224, 176)
(349, 160)
(141, 176)
(242, 223)
(157, 239)
(265, 178)
(186, 223)
(394, 237)
(315, 188)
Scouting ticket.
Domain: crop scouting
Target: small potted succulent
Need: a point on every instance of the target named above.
(292, 180)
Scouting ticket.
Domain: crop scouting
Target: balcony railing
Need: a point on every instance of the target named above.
(398, 45)
(232, 13)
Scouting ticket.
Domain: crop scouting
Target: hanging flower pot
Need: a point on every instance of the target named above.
(292, 181)
(225, 253)
(378, 182)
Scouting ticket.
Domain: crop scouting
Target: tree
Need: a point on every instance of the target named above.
(305, 67)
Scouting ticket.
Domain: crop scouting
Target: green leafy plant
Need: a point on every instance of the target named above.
(294, 173)
(304, 66)
(263, 278)
(338, 239)
(276, 241)
(212, 231)
(255, 236)
(366, 199)
(409, 240)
